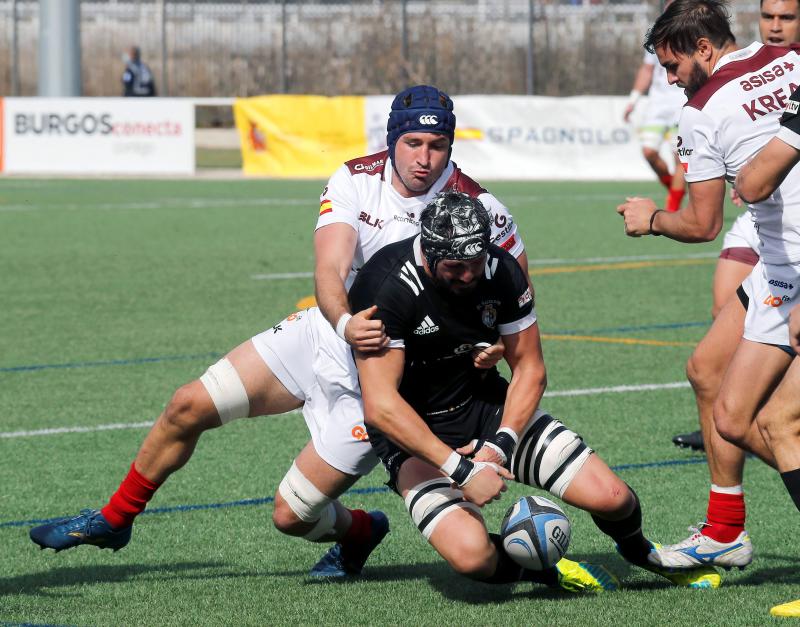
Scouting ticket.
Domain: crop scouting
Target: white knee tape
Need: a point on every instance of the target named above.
(430, 501)
(548, 454)
(226, 390)
(310, 505)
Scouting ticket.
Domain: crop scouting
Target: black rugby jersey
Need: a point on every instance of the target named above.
(439, 329)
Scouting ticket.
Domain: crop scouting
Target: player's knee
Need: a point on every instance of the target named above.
(471, 557)
(777, 427)
(186, 413)
(285, 520)
(701, 374)
(614, 500)
(650, 155)
(728, 425)
(301, 509)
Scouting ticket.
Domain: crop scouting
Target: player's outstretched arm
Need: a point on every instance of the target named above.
(764, 173)
(644, 76)
(380, 375)
(699, 221)
(334, 247)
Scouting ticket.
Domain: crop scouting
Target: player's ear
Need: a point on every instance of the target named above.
(704, 49)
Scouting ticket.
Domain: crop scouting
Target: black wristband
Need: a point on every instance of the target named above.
(652, 219)
(460, 474)
(504, 442)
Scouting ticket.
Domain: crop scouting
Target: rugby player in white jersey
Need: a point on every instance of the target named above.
(659, 124)
(779, 25)
(779, 419)
(300, 362)
(736, 97)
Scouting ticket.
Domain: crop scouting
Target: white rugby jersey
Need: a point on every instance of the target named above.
(360, 194)
(730, 119)
(661, 94)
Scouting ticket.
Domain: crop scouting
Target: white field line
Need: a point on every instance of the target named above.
(180, 203)
(619, 389)
(211, 203)
(532, 263)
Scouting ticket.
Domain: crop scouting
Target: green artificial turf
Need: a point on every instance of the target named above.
(114, 293)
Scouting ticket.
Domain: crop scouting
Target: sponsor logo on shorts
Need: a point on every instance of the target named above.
(525, 298)
(776, 301)
(360, 433)
(426, 327)
(782, 284)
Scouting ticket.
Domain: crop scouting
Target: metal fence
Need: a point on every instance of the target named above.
(246, 47)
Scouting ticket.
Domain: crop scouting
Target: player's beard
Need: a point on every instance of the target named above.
(697, 78)
(455, 289)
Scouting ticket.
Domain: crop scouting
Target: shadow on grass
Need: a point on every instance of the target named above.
(44, 583)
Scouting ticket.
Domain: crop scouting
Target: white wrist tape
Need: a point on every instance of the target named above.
(341, 324)
(450, 464)
(634, 96)
(510, 432)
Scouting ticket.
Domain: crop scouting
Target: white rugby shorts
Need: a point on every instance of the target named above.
(659, 124)
(772, 291)
(742, 233)
(316, 366)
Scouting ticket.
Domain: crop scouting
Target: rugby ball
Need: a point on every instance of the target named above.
(535, 532)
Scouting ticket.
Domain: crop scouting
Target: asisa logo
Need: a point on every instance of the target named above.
(428, 120)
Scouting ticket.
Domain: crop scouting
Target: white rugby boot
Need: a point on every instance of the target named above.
(700, 550)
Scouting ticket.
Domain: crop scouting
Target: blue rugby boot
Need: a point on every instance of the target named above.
(343, 560)
(89, 527)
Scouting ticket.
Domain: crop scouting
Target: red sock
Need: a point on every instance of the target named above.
(666, 180)
(360, 529)
(725, 516)
(674, 198)
(129, 500)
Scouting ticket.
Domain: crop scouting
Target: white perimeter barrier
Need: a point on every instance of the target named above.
(97, 136)
(538, 138)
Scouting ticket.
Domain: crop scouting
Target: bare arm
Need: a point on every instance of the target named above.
(334, 247)
(644, 76)
(384, 408)
(762, 175)
(699, 221)
(528, 382)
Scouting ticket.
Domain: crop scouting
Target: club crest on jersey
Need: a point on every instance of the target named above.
(489, 315)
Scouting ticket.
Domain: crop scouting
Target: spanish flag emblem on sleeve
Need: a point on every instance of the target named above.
(325, 207)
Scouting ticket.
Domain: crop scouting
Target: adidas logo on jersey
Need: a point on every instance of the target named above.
(426, 326)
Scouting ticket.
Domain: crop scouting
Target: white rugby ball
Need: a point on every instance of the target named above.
(535, 532)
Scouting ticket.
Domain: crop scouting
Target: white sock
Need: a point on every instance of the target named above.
(734, 489)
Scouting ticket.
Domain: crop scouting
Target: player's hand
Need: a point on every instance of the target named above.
(628, 110)
(794, 328)
(484, 355)
(365, 334)
(735, 198)
(637, 213)
(486, 485)
(483, 454)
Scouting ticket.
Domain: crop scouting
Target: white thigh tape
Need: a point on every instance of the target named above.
(548, 454)
(226, 390)
(430, 501)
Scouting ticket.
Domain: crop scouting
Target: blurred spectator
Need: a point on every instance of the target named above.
(137, 80)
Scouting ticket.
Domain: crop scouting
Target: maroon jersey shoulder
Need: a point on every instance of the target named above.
(371, 164)
(736, 69)
(460, 182)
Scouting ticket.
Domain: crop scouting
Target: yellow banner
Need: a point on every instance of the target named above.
(299, 136)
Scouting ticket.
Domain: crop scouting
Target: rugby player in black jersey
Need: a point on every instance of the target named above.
(440, 295)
